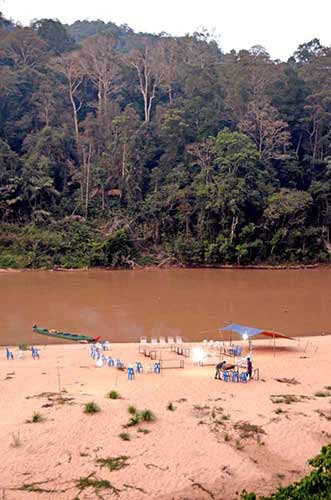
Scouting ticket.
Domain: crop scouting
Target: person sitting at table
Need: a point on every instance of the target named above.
(219, 368)
(249, 368)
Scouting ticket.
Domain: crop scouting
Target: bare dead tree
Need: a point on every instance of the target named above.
(70, 67)
(100, 63)
(146, 63)
(270, 133)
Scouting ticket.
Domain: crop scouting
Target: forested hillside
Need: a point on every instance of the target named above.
(119, 148)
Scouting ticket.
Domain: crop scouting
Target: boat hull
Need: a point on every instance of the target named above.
(64, 335)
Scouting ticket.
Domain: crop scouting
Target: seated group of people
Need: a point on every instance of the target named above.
(224, 366)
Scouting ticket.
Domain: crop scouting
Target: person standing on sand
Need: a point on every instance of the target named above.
(249, 368)
(219, 367)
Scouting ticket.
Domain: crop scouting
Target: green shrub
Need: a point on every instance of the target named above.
(91, 408)
(115, 250)
(113, 395)
(315, 486)
(132, 410)
(147, 416)
(134, 420)
(125, 436)
(36, 417)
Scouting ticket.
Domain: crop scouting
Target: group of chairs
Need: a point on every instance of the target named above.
(234, 376)
(20, 353)
(101, 360)
(139, 369)
(161, 341)
(231, 350)
(104, 345)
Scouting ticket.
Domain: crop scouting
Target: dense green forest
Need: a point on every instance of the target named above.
(120, 148)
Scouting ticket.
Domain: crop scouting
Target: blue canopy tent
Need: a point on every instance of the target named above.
(246, 332)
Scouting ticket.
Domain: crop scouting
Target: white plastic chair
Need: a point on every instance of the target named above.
(179, 340)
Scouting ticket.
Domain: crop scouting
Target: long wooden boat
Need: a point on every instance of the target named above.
(64, 335)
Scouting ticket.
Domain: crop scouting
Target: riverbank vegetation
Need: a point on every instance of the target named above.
(119, 148)
(315, 486)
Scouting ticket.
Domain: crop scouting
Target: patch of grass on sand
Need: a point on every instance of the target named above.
(36, 417)
(134, 420)
(36, 488)
(201, 408)
(90, 481)
(91, 408)
(147, 416)
(288, 381)
(278, 411)
(132, 410)
(247, 430)
(287, 398)
(139, 416)
(143, 431)
(113, 463)
(113, 395)
(125, 436)
(327, 387)
(324, 414)
(322, 394)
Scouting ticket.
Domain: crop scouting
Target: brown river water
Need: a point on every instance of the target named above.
(194, 303)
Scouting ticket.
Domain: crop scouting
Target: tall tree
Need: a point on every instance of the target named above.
(101, 64)
(149, 73)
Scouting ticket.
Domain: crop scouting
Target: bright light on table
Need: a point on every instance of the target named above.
(198, 354)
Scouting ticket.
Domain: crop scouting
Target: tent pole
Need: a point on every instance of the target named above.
(274, 346)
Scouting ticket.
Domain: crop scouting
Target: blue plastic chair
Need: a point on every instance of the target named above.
(235, 377)
(157, 367)
(35, 353)
(9, 354)
(226, 377)
(139, 367)
(110, 361)
(238, 351)
(243, 377)
(130, 373)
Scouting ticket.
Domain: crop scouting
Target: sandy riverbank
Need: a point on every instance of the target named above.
(201, 450)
